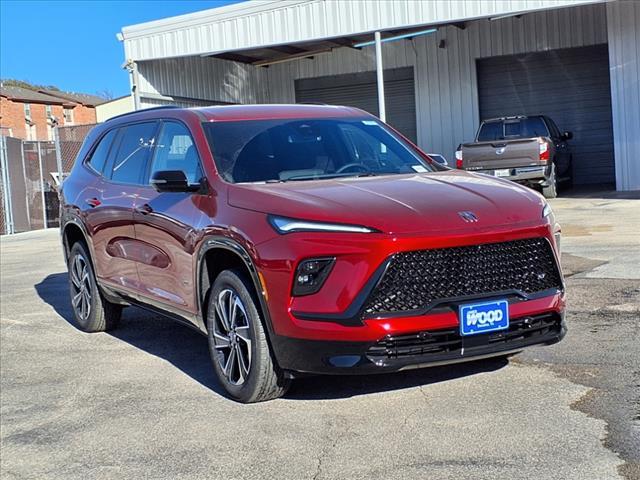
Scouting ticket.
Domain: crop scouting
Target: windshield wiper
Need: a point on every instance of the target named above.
(327, 176)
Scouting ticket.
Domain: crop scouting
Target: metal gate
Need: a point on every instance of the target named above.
(30, 173)
(359, 90)
(28, 195)
(572, 86)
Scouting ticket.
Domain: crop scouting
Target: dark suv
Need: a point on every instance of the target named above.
(305, 239)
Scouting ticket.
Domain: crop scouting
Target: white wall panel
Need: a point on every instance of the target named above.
(623, 19)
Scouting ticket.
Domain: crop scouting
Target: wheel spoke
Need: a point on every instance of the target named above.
(228, 367)
(243, 364)
(221, 340)
(77, 265)
(85, 275)
(74, 278)
(236, 305)
(76, 298)
(221, 310)
(243, 334)
(83, 303)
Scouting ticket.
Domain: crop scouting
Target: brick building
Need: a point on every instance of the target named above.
(31, 115)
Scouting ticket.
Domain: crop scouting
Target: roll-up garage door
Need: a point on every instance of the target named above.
(571, 86)
(360, 90)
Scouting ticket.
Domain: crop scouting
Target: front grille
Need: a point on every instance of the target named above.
(522, 331)
(419, 279)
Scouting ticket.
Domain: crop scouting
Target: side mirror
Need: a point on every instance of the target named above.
(172, 181)
(436, 157)
(567, 135)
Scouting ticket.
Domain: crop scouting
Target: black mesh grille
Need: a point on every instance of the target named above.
(418, 279)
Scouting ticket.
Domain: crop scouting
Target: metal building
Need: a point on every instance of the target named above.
(446, 65)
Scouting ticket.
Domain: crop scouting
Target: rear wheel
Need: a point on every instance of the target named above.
(238, 345)
(91, 311)
(551, 190)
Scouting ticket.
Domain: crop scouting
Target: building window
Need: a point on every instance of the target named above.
(47, 109)
(68, 115)
(30, 129)
(49, 132)
(27, 110)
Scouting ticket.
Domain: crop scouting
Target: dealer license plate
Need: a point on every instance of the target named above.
(483, 317)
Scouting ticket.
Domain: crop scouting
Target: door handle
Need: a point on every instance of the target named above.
(144, 209)
(93, 202)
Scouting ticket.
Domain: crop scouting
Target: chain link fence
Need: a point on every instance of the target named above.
(30, 174)
(69, 140)
(28, 195)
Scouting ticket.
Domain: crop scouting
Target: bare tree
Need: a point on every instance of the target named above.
(105, 93)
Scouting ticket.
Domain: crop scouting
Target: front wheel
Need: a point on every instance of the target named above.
(241, 355)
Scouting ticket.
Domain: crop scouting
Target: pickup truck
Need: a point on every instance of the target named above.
(526, 149)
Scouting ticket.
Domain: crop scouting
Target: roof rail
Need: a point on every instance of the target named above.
(161, 107)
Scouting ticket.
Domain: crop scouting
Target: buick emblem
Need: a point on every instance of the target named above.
(500, 150)
(468, 217)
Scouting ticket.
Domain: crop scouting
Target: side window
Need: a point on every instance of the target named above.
(175, 151)
(553, 128)
(98, 158)
(135, 146)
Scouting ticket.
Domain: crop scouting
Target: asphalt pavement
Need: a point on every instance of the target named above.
(142, 401)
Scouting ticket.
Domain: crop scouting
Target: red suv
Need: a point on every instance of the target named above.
(305, 239)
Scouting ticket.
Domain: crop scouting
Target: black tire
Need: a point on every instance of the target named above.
(551, 191)
(91, 311)
(254, 380)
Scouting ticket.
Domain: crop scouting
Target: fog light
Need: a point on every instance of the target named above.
(310, 275)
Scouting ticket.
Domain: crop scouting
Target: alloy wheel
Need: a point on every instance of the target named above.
(232, 337)
(80, 287)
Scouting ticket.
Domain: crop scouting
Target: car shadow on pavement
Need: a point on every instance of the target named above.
(187, 350)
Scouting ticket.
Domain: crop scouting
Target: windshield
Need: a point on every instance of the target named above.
(308, 149)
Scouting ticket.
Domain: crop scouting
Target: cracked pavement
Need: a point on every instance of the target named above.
(142, 402)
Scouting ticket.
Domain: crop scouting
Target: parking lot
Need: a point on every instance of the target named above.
(142, 401)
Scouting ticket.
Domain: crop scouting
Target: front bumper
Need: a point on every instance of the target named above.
(416, 350)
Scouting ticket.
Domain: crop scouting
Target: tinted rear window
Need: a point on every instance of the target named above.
(523, 128)
(99, 156)
(490, 131)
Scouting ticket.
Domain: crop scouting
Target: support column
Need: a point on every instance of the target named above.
(380, 78)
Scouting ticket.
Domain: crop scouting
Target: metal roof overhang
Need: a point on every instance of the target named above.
(266, 32)
(269, 55)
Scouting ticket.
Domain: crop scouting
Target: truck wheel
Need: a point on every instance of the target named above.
(551, 190)
(238, 345)
(91, 311)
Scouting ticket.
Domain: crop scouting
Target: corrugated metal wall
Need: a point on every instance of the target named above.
(445, 78)
(203, 78)
(446, 83)
(255, 24)
(623, 19)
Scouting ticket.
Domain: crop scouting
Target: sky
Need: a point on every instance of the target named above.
(72, 44)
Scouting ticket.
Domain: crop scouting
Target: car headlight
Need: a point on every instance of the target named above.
(289, 225)
(546, 211)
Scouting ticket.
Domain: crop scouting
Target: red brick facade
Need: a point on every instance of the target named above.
(13, 122)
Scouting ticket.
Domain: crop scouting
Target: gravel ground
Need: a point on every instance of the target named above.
(142, 402)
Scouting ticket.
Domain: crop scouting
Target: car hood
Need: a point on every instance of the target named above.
(397, 203)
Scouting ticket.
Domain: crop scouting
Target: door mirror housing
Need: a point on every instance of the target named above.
(436, 157)
(173, 181)
(567, 135)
